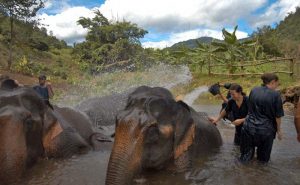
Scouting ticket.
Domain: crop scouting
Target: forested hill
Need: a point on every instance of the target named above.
(284, 39)
(34, 51)
(289, 29)
(192, 43)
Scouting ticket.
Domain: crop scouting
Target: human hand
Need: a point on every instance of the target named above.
(279, 134)
(48, 84)
(237, 122)
(213, 120)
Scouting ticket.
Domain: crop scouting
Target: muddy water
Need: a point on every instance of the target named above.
(221, 167)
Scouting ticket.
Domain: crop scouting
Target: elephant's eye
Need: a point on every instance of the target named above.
(28, 123)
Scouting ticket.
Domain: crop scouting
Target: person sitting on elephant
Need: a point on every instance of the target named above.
(263, 120)
(297, 120)
(238, 105)
(44, 89)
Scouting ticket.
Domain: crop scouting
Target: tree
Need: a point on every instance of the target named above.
(18, 10)
(108, 42)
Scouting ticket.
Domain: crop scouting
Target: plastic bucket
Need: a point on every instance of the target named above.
(214, 89)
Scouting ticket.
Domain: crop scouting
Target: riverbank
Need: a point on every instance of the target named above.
(178, 79)
(248, 82)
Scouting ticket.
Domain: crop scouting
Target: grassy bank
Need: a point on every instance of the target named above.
(247, 82)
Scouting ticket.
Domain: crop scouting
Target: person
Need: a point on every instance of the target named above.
(297, 120)
(228, 115)
(263, 120)
(215, 90)
(44, 89)
(238, 105)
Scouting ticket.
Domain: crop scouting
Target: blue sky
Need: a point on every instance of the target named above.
(168, 21)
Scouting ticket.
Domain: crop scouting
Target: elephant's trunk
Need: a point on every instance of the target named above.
(125, 159)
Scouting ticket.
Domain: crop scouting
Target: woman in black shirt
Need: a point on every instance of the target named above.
(263, 120)
(238, 105)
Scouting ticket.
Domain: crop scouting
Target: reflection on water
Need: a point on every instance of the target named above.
(214, 169)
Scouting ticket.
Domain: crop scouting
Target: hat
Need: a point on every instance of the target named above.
(42, 77)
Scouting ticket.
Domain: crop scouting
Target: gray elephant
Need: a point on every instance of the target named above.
(156, 132)
(102, 111)
(29, 130)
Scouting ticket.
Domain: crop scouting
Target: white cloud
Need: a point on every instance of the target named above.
(64, 25)
(276, 12)
(178, 15)
(193, 34)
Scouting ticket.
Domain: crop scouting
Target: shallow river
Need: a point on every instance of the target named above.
(221, 167)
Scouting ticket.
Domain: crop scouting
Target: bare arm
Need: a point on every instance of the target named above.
(221, 115)
(237, 122)
(279, 133)
(223, 98)
(297, 120)
(50, 90)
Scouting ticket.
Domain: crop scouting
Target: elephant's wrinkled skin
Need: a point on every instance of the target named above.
(21, 132)
(102, 111)
(156, 132)
(30, 130)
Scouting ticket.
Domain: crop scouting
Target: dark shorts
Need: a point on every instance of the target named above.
(263, 142)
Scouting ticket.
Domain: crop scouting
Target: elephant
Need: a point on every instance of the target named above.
(30, 130)
(156, 132)
(21, 132)
(102, 111)
(68, 132)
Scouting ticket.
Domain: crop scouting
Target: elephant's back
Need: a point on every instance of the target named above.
(77, 120)
(102, 111)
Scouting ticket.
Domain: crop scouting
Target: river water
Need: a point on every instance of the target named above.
(216, 168)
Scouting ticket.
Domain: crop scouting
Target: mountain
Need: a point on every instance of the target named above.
(192, 43)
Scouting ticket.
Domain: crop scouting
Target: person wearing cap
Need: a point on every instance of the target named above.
(44, 90)
(263, 120)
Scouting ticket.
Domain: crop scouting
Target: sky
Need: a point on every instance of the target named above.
(167, 21)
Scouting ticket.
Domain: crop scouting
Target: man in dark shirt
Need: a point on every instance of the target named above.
(44, 90)
(263, 120)
(238, 106)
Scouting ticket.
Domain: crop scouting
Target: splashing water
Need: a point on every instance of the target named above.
(161, 75)
(192, 96)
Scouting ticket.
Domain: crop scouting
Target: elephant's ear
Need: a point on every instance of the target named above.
(185, 130)
(186, 142)
(52, 128)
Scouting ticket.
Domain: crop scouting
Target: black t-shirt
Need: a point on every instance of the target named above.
(42, 91)
(265, 105)
(238, 112)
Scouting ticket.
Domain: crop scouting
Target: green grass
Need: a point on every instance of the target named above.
(247, 82)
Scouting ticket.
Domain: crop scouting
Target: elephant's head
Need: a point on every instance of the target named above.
(152, 131)
(68, 132)
(21, 131)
